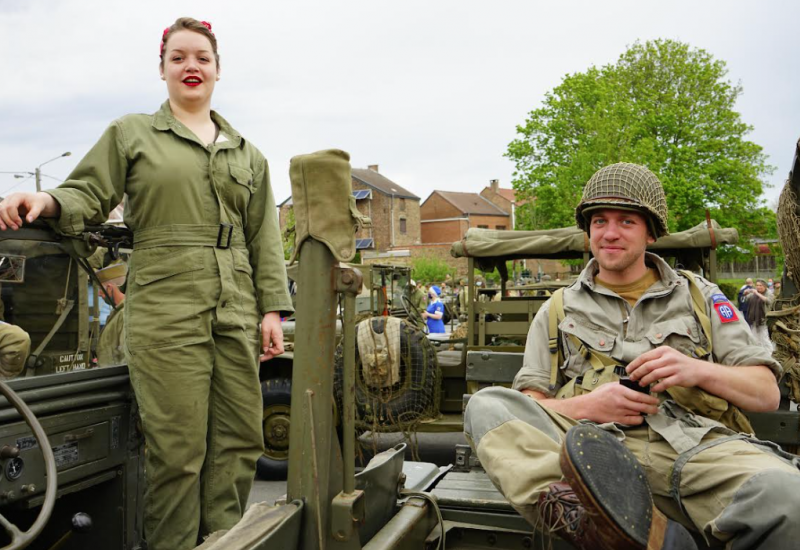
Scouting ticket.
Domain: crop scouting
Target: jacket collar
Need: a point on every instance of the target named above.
(164, 120)
(668, 277)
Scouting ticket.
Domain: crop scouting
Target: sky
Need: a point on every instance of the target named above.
(431, 91)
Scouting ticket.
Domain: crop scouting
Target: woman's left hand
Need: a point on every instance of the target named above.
(271, 336)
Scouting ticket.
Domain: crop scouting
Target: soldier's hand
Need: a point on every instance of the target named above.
(666, 367)
(616, 403)
(28, 205)
(271, 336)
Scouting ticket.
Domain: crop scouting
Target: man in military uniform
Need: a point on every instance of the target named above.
(418, 298)
(673, 451)
(15, 346)
(463, 299)
(111, 344)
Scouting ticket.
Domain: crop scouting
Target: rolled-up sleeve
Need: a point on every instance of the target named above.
(263, 237)
(535, 371)
(733, 343)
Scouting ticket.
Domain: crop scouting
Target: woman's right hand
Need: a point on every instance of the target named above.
(29, 205)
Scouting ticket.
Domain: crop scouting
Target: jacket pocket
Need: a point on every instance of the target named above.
(682, 333)
(163, 301)
(242, 176)
(167, 266)
(592, 336)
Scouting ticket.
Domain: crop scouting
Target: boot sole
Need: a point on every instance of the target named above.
(612, 486)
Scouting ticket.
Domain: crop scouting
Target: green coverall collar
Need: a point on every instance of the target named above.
(164, 120)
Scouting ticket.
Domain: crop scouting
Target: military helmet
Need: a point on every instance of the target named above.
(625, 186)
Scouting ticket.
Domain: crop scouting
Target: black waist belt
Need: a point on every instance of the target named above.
(224, 235)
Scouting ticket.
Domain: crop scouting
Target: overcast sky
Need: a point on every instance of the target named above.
(430, 90)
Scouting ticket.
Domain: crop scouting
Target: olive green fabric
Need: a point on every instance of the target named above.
(605, 368)
(663, 316)
(111, 344)
(331, 217)
(572, 242)
(724, 488)
(114, 271)
(628, 187)
(146, 156)
(418, 299)
(192, 307)
(15, 346)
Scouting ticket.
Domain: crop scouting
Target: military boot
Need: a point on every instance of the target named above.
(606, 502)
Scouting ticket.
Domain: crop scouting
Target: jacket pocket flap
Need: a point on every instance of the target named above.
(593, 336)
(685, 326)
(243, 176)
(182, 262)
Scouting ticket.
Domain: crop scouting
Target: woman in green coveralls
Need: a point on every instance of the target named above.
(206, 271)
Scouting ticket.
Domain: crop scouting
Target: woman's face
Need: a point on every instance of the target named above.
(760, 287)
(189, 69)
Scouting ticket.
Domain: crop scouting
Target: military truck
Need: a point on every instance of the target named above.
(47, 289)
(92, 455)
(381, 295)
(73, 478)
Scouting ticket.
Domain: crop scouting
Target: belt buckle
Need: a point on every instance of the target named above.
(222, 228)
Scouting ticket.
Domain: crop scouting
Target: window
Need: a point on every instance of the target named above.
(403, 206)
(402, 225)
(483, 227)
(501, 227)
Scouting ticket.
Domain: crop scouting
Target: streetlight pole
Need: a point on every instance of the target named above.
(38, 171)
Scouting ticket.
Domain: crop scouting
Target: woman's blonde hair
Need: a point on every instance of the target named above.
(189, 24)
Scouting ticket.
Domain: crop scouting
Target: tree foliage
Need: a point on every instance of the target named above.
(663, 104)
(428, 269)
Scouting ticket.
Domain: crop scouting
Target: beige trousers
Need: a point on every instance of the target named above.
(737, 492)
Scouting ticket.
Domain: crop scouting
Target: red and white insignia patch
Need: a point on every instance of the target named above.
(726, 312)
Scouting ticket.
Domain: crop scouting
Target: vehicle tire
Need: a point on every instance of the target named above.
(276, 395)
(414, 397)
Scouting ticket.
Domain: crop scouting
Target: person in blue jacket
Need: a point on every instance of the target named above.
(435, 312)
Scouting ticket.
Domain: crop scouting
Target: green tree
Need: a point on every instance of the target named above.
(663, 104)
(427, 269)
(288, 234)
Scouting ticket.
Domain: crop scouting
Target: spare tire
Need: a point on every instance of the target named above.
(276, 395)
(413, 398)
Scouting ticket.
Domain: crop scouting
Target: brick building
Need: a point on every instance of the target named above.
(446, 216)
(504, 199)
(394, 211)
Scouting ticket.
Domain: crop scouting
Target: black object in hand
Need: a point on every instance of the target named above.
(633, 384)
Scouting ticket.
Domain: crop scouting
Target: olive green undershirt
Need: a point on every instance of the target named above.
(631, 292)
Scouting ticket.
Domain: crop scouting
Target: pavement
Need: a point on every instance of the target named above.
(433, 447)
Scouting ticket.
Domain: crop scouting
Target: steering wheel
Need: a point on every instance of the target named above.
(22, 539)
(412, 311)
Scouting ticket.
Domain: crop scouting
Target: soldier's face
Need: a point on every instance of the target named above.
(619, 239)
(190, 69)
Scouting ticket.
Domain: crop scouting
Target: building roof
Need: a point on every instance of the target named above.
(470, 203)
(508, 194)
(381, 183)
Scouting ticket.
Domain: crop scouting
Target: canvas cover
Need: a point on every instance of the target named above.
(572, 242)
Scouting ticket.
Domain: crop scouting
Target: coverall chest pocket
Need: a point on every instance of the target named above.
(682, 333)
(162, 305)
(236, 186)
(578, 337)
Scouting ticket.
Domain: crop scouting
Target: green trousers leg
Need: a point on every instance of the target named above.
(202, 427)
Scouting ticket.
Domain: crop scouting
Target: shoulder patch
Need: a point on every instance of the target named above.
(719, 298)
(726, 312)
